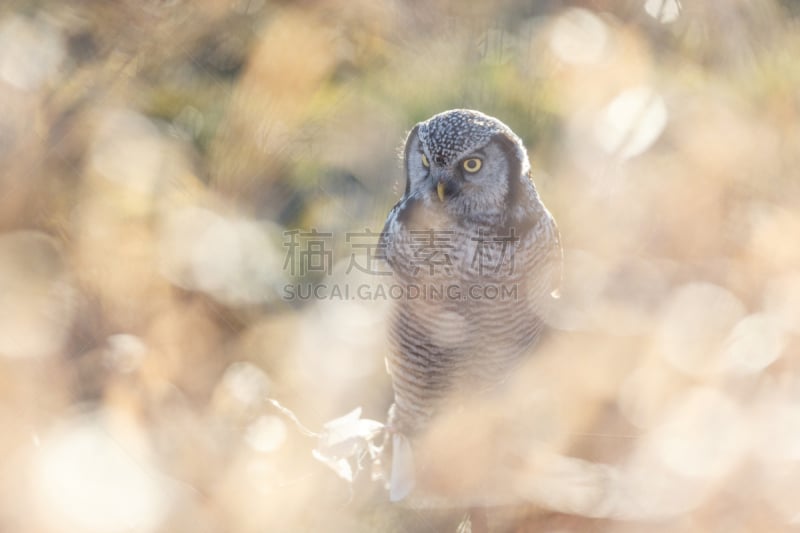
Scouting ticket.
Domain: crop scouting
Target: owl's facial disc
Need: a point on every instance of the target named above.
(445, 182)
(449, 182)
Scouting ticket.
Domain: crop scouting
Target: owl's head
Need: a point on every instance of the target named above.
(468, 162)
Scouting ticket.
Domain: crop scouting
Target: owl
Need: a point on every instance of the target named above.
(476, 257)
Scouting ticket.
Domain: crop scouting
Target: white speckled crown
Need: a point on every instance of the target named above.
(454, 133)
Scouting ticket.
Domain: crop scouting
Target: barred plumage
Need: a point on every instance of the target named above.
(480, 245)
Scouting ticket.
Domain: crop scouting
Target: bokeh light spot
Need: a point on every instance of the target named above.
(245, 382)
(703, 434)
(695, 323)
(125, 352)
(578, 36)
(86, 481)
(266, 434)
(664, 11)
(127, 149)
(231, 259)
(632, 122)
(31, 51)
(755, 343)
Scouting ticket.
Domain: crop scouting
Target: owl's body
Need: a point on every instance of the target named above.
(479, 256)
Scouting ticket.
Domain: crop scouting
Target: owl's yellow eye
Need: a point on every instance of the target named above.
(425, 162)
(472, 165)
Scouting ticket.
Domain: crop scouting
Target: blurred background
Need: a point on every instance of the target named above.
(165, 164)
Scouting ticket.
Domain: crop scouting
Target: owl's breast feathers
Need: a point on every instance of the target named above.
(475, 294)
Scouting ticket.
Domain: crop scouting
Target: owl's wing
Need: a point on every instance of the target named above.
(539, 252)
(556, 257)
(385, 238)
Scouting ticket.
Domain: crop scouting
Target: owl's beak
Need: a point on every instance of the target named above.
(440, 191)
